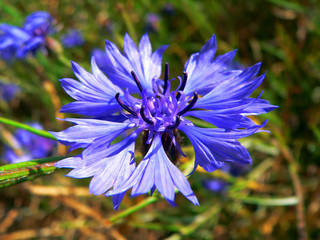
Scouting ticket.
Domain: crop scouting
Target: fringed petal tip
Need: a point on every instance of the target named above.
(193, 199)
(70, 162)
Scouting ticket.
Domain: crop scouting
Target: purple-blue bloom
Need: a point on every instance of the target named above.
(8, 91)
(16, 42)
(219, 185)
(134, 101)
(28, 146)
(72, 38)
(152, 22)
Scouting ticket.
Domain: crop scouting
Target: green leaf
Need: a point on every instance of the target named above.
(289, 5)
(133, 209)
(12, 11)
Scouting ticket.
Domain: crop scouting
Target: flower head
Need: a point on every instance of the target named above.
(207, 90)
(219, 185)
(8, 91)
(152, 22)
(26, 146)
(72, 38)
(19, 42)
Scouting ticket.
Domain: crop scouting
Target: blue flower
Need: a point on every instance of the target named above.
(219, 185)
(18, 42)
(26, 146)
(152, 23)
(8, 91)
(208, 90)
(72, 39)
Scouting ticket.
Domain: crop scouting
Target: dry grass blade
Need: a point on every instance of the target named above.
(8, 220)
(41, 190)
(92, 213)
(34, 233)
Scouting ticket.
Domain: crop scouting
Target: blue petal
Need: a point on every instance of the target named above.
(89, 108)
(205, 72)
(15, 32)
(228, 121)
(157, 170)
(116, 170)
(107, 150)
(155, 62)
(145, 64)
(145, 52)
(132, 54)
(39, 20)
(87, 133)
(95, 93)
(87, 171)
(215, 146)
(204, 57)
(70, 162)
(116, 200)
(259, 106)
(239, 87)
(30, 46)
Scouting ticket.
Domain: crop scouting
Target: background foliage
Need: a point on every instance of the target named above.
(262, 204)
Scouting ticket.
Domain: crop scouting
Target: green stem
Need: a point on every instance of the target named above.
(127, 22)
(12, 174)
(26, 127)
(261, 201)
(133, 209)
(201, 220)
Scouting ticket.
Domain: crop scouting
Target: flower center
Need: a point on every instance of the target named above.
(160, 110)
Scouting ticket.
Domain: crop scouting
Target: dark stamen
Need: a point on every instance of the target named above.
(183, 84)
(121, 103)
(144, 116)
(191, 104)
(166, 77)
(135, 78)
(175, 125)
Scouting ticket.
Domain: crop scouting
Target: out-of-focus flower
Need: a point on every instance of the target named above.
(8, 91)
(72, 39)
(169, 9)
(219, 185)
(39, 24)
(100, 57)
(109, 26)
(207, 90)
(18, 42)
(28, 146)
(152, 22)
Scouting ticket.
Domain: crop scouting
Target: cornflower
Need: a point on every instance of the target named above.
(72, 38)
(8, 91)
(133, 101)
(16, 42)
(28, 146)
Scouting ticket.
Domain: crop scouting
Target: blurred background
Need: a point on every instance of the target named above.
(259, 202)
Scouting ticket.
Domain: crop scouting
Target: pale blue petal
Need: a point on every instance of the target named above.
(158, 171)
(228, 121)
(215, 146)
(70, 162)
(90, 108)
